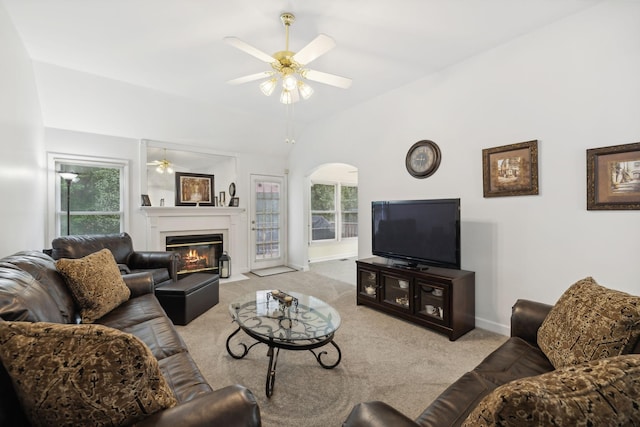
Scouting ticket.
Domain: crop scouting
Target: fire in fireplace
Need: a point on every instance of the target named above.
(196, 253)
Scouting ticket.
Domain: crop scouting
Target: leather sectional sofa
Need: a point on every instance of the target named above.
(519, 358)
(32, 290)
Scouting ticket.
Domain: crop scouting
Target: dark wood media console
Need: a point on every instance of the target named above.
(440, 299)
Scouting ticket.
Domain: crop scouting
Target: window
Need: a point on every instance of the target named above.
(323, 212)
(349, 211)
(328, 216)
(94, 199)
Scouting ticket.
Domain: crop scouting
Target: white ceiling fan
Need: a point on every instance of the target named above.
(290, 67)
(163, 165)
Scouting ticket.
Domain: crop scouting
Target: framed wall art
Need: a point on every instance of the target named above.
(145, 200)
(234, 201)
(194, 189)
(613, 177)
(510, 170)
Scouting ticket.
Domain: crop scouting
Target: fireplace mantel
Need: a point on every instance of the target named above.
(175, 221)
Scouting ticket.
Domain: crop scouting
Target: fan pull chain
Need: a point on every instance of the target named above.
(289, 124)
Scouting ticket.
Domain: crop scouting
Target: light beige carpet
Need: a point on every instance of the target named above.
(383, 358)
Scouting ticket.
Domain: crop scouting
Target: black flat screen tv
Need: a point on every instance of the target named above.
(417, 232)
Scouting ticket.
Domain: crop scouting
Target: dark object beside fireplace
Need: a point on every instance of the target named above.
(189, 297)
(198, 253)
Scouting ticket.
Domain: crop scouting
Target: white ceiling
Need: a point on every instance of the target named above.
(175, 46)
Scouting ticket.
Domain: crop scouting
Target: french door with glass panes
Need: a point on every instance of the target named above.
(268, 207)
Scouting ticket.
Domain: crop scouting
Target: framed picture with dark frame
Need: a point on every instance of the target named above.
(194, 189)
(510, 170)
(145, 200)
(613, 177)
(234, 201)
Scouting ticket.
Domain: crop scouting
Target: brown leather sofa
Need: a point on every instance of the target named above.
(162, 265)
(31, 289)
(517, 358)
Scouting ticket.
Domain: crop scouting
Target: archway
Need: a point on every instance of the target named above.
(332, 212)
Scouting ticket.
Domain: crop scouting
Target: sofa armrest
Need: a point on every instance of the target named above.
(526, 318)
(152, 259)
(139, 283)
(377, 414)
(232, 406)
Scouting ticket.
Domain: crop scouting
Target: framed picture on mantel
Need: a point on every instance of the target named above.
(510, 170)
(613, 177)
(194, 189)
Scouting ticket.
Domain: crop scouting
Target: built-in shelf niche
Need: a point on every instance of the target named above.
(183, 158)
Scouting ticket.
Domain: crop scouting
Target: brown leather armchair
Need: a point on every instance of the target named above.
(162, 265)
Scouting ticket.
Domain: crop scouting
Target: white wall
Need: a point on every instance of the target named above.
(572, 86)
(84, 102)
(22, 161)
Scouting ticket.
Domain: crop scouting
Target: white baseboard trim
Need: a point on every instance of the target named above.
(298, 267)
(333, 257)
(493, 327)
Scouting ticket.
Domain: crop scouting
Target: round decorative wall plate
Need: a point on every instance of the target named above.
(232, 189)
(423, 159)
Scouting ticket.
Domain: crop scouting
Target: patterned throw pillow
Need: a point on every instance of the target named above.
(95, 283)
(604, 392)
(590, 322)
(82, 375)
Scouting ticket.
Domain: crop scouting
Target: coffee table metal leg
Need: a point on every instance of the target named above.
(271, 373)
(245, 349)
(322, 353)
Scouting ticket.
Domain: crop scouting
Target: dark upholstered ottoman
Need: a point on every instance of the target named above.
(189, 297)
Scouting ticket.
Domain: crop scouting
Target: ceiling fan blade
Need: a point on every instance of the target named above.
(328, 79)
(317, 47)
(247, 48)
(250, 78)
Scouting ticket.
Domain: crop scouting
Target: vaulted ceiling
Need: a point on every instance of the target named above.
(176, 46)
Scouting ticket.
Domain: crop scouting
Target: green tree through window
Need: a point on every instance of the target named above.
(95, 200)
(328, 216)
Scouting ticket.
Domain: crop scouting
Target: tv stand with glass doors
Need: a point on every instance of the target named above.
(440, 299)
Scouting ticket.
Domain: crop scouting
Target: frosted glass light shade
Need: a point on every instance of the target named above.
(268, 86)
(285, 97)
(305, 90)
(289, 82)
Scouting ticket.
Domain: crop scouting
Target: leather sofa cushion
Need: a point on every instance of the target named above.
(43, 270)
(132, 312)
(22, 298)
(590, 322)
(184, 376)
(160, 275)
(456, 402)
(110, 378)
(95, 283)
(603, 392)
(79, 246)
(514, 359)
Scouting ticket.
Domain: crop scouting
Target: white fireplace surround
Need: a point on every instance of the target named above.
(163, 222)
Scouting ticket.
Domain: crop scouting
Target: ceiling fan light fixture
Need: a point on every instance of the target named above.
(305, 90)
(286, 97)
(268, 86)
(289, 82)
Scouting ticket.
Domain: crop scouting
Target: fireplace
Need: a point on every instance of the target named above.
(196, 253)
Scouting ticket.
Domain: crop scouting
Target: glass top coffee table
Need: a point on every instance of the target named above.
(282, 320)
